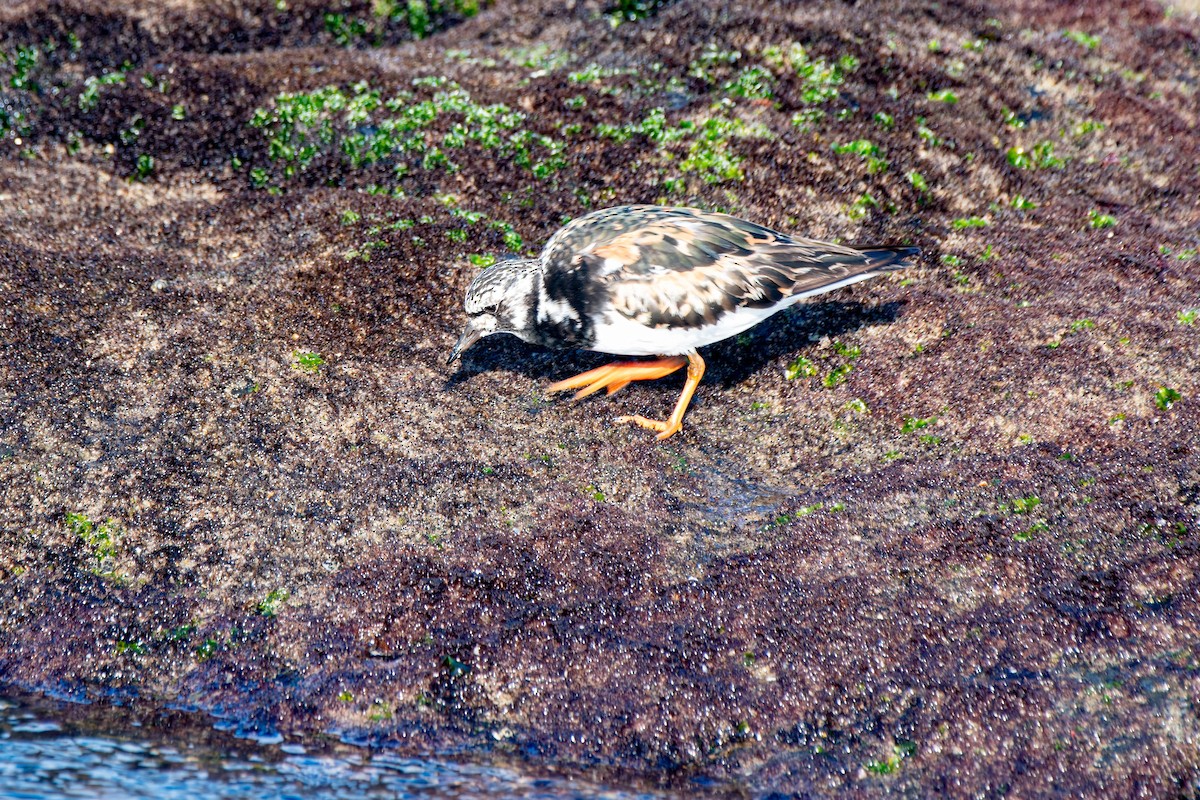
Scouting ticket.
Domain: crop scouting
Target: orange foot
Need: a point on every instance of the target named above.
(614, 377)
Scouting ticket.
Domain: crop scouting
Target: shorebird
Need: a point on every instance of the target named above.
(657, 281)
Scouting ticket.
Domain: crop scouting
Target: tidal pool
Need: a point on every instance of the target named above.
(47, 751)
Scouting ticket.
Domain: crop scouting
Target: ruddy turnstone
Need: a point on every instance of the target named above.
(654, 281)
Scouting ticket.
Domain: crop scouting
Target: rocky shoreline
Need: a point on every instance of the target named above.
(935, 534)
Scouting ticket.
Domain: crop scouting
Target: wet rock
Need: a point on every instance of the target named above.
(935, 534)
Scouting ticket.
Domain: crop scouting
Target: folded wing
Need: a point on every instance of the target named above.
(682, 268)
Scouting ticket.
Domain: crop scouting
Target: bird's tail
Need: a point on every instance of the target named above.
(887, 258)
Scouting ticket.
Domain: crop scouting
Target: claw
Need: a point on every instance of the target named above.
(665, 430)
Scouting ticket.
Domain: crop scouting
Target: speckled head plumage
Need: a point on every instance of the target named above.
(499, 300)
(651, 280)
(503, 279)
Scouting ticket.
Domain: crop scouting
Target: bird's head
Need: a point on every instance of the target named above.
(500, 300)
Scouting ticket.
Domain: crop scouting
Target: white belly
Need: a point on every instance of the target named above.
(620, 335)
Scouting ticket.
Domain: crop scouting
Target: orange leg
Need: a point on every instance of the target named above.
(617, 376)
(675, 424)
(614, 377)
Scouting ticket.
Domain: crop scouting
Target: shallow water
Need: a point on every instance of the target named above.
(46, 753)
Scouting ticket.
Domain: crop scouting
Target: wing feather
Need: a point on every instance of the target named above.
(680, 267)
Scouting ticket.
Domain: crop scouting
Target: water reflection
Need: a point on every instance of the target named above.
(42, 756)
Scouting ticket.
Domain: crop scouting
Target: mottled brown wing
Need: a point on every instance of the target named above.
(681, 267)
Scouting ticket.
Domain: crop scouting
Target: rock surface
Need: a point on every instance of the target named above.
(936, 535)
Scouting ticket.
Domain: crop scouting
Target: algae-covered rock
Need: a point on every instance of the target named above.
(934, 534)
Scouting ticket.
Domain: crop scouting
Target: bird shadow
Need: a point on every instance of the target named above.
(792, 333)
(729, 362)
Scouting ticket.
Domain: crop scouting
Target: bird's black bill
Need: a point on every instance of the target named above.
(470, 336)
